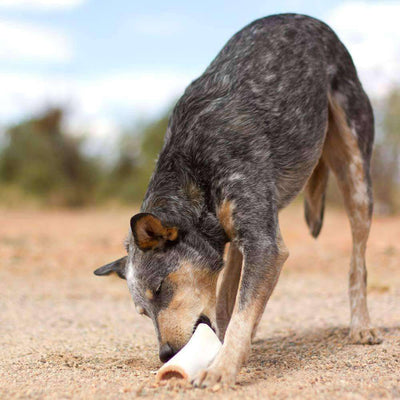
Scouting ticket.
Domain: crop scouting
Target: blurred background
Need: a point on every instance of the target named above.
(87, 87)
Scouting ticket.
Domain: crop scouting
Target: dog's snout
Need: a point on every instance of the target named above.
(166, 352)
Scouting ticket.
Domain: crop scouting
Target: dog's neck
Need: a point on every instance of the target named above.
(177, 201)
(169, 199)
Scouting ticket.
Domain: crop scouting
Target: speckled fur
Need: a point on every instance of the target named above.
(242, 142)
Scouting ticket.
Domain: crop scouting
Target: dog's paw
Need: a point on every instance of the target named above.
(224, 375)
(365, 336)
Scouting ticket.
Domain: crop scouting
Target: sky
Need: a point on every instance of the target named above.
(115, 62)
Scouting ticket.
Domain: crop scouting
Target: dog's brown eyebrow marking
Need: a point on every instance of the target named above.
(140, 310)
(149, 294)
(224, 214)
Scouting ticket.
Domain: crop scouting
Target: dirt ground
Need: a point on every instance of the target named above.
(65, 333)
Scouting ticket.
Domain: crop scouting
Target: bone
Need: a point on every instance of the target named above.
(194, 357)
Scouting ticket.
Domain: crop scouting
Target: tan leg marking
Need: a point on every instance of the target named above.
(224, 214)
(343, 156)
(282, 257)
(314, 193)
(228, 288)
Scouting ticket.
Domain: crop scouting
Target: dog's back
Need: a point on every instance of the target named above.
(261, 107)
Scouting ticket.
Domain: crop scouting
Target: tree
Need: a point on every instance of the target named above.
(385, 170)
(43, 160)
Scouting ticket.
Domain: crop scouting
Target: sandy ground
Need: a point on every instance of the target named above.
(65, 333)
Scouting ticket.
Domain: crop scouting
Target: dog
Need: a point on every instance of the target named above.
(279, 108)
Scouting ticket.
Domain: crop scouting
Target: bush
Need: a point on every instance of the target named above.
(46, 162)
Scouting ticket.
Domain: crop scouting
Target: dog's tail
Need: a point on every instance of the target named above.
(314, 197)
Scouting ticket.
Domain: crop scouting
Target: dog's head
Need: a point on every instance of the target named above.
(172, 277)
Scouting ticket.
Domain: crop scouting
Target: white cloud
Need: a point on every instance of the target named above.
(103, 103)
(370, 31)
(42, 5)
(99, 104)
(29, 42)
(25, 94)
(142, 92)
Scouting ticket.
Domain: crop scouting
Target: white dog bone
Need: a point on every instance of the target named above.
(195, 356)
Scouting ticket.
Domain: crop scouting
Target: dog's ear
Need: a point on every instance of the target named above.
(117, 266)
(149, 232)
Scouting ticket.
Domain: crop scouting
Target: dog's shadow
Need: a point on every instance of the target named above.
(318, 348)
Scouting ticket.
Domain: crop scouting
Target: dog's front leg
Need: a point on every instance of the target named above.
(262, 264)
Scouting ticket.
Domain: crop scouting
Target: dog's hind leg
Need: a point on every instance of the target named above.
(348, 156)
(314, 197)
(228, 288)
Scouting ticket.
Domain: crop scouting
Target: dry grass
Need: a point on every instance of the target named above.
(67, 334)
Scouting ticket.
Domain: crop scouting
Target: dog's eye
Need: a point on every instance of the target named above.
(158, 290)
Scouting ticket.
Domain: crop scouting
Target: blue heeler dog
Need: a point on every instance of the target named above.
(279, 107)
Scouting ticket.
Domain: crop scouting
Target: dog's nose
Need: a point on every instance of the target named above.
(166, 352)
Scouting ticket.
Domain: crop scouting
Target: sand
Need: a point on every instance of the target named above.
(66, 334)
